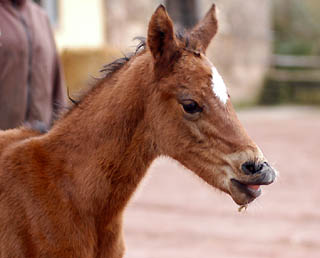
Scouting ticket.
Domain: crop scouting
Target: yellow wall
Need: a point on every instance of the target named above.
(81, 24)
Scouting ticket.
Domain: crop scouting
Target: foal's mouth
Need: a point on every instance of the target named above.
(251, 190)
(244, 192)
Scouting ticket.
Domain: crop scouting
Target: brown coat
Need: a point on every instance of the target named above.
(63, 193)
(31, 83)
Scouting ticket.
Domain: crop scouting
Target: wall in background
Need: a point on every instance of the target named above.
(243, 46)
(241, 50)
(80, 24)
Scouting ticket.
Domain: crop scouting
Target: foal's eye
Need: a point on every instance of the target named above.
(191, 107)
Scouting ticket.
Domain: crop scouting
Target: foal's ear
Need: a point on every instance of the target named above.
(205, 30)
(161, 37)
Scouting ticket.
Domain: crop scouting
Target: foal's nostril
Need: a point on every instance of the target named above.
(250, 167)
(265, 164)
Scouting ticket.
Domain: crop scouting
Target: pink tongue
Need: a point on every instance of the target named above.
(254, 187)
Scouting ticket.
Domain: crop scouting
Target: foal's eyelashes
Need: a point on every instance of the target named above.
(190, 106)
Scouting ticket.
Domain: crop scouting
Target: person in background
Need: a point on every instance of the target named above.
(31, 80)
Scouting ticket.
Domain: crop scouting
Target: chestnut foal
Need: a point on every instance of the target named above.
(63, 193)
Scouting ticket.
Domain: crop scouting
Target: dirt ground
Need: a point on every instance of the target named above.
(176, 215)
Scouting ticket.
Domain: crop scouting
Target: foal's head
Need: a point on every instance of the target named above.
(191, 115)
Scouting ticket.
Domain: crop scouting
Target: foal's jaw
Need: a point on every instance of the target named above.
(240, 174)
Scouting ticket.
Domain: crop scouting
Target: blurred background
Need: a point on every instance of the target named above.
(268, 52)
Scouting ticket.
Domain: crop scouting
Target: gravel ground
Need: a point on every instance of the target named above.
(175, 214)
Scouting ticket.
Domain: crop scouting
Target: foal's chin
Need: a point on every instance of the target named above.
(242, 198)
(244, 192)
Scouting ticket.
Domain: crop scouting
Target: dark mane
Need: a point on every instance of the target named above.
(108, 70)
(117, 64)
(182, 36)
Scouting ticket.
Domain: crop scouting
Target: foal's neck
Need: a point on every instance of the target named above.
(104, 146)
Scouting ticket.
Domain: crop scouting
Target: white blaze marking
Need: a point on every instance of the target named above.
(218, 86)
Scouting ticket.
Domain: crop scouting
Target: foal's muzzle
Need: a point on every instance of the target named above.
(260, 173)
(255, 175)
